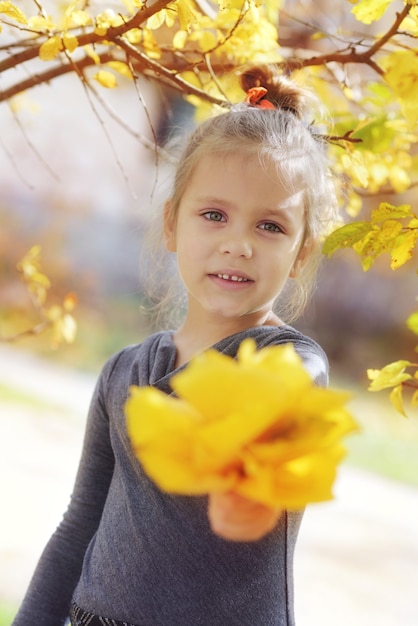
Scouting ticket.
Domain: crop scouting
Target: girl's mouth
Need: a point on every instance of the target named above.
(233, 278)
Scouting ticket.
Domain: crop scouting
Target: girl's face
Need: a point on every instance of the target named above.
(238, 235)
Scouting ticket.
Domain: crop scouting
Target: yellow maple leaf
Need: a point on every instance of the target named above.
(368, 11)
(12, 11)
(230, 428)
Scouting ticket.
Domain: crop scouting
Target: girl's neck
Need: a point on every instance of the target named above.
(194, 336)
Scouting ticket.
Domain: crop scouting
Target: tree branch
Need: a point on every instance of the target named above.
(344, 58)
(50, 74)
(171, 78)
(89, 38)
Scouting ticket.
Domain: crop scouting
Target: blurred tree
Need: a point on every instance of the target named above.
(360, 57)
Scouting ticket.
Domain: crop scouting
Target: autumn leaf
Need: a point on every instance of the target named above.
(12, 11)
(395, 376)
(51, 48)
(230, 428)
(386, 211)
(391, 375)
(30, 269)
(397, 399)
(70, 42)
(106, 79)
(368, 11)
(403, 248)
(345, 237)
(412, 322)
(386, 232)
(122, 68)
(401, 74)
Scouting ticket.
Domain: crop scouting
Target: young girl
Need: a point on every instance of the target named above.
(250, 203)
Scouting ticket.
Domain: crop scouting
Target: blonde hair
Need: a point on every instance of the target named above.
(282, 135)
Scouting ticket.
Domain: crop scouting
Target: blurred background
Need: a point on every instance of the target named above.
(78, 184)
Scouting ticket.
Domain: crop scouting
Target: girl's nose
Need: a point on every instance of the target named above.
(237, 246)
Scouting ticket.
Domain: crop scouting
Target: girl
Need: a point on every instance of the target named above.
(250, 203)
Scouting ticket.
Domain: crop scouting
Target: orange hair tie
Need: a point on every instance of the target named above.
(255, 97)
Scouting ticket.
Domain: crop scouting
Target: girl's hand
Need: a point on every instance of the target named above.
(237, 518)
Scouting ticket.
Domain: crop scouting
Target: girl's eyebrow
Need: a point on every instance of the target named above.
(285, 208)
(214, 200)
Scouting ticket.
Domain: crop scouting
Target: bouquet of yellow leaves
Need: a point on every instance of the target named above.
(256, 425)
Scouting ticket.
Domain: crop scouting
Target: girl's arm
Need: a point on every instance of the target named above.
(49, 595)
(236, 518)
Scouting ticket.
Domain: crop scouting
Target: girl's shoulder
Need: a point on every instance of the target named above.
(142, 363)
(314, 357)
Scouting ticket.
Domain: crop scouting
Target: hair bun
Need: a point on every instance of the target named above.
(281, 91)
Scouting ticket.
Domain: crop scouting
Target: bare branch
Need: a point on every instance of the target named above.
(352, 56)
(50, 74)
(90, 38)
(159, 72)
(30, 332)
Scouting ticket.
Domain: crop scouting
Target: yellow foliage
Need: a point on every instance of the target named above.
(41, 23)
(412, 322)
(368, 11)
(76, 17)
(394, 375)
(150, 44)
(30, 269)
(257, 425)
(13, 12)
(106, 79)
(391, 375)
(122, 68)
(57, 318)
(70, 42)
(401, 74)
(51, 48)
(386, 232)
(107, 19)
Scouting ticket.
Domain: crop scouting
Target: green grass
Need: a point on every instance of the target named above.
(388, 442)
(7, 613)
(10, 395)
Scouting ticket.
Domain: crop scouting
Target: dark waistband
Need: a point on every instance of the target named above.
(80, 617)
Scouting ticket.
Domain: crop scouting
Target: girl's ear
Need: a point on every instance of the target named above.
(301, 259)
(169, 225)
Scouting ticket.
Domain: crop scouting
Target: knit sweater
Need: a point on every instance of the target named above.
(127, 551)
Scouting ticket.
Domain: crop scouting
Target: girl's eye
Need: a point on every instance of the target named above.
(213, 216)
(271, 227)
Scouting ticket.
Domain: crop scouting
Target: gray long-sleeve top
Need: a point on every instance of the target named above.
(126, 550)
